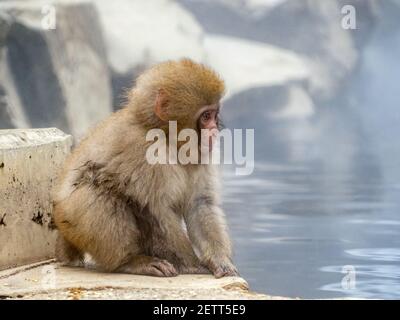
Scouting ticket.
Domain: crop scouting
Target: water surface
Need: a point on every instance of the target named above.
(314, 205)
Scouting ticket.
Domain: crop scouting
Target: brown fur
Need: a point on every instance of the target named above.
(188, 86)
(128, 214)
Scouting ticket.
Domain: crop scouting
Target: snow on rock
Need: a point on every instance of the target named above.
(311, 28)
(246, 64)
(254, 7)
(141, 32)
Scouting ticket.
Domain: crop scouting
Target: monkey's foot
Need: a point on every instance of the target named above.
(226, 271)
(149, 266)
(223, 269)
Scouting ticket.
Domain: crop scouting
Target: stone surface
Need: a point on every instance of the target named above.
(29, 161)
(48, 280)
(52, 77)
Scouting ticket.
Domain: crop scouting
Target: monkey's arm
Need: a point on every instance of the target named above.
(174, 242)
(207, 230)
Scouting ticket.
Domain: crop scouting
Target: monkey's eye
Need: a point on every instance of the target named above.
(206, 116)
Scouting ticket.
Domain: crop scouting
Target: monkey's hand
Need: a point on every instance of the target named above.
(222, 268)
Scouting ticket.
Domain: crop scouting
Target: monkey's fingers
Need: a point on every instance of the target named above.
(225, 271)
(163, 268)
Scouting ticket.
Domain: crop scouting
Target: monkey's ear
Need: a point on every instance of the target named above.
(160, 108)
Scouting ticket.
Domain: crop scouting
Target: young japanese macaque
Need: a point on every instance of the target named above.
(135, 217)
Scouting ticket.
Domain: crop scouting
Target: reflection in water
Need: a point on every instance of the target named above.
(378, 254)
(372, 281)
(293, 232)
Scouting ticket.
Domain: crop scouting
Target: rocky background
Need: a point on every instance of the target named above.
(303, 82)
(281, 59)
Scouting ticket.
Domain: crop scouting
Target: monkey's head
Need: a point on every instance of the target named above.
(182, 91)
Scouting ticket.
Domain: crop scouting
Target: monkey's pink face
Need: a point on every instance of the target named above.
(208, 124)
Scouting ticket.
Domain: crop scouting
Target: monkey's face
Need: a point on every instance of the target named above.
(208, 126)
(205, 121)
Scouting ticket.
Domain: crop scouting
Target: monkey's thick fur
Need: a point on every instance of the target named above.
(126, 213)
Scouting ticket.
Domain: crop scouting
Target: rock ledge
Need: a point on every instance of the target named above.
(49, 280)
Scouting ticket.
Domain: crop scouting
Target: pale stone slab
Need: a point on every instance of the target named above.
(29, 162)
(49, 280)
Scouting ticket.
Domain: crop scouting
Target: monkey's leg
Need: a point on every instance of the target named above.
(172, 243)
(105, 227)
(67, 254)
